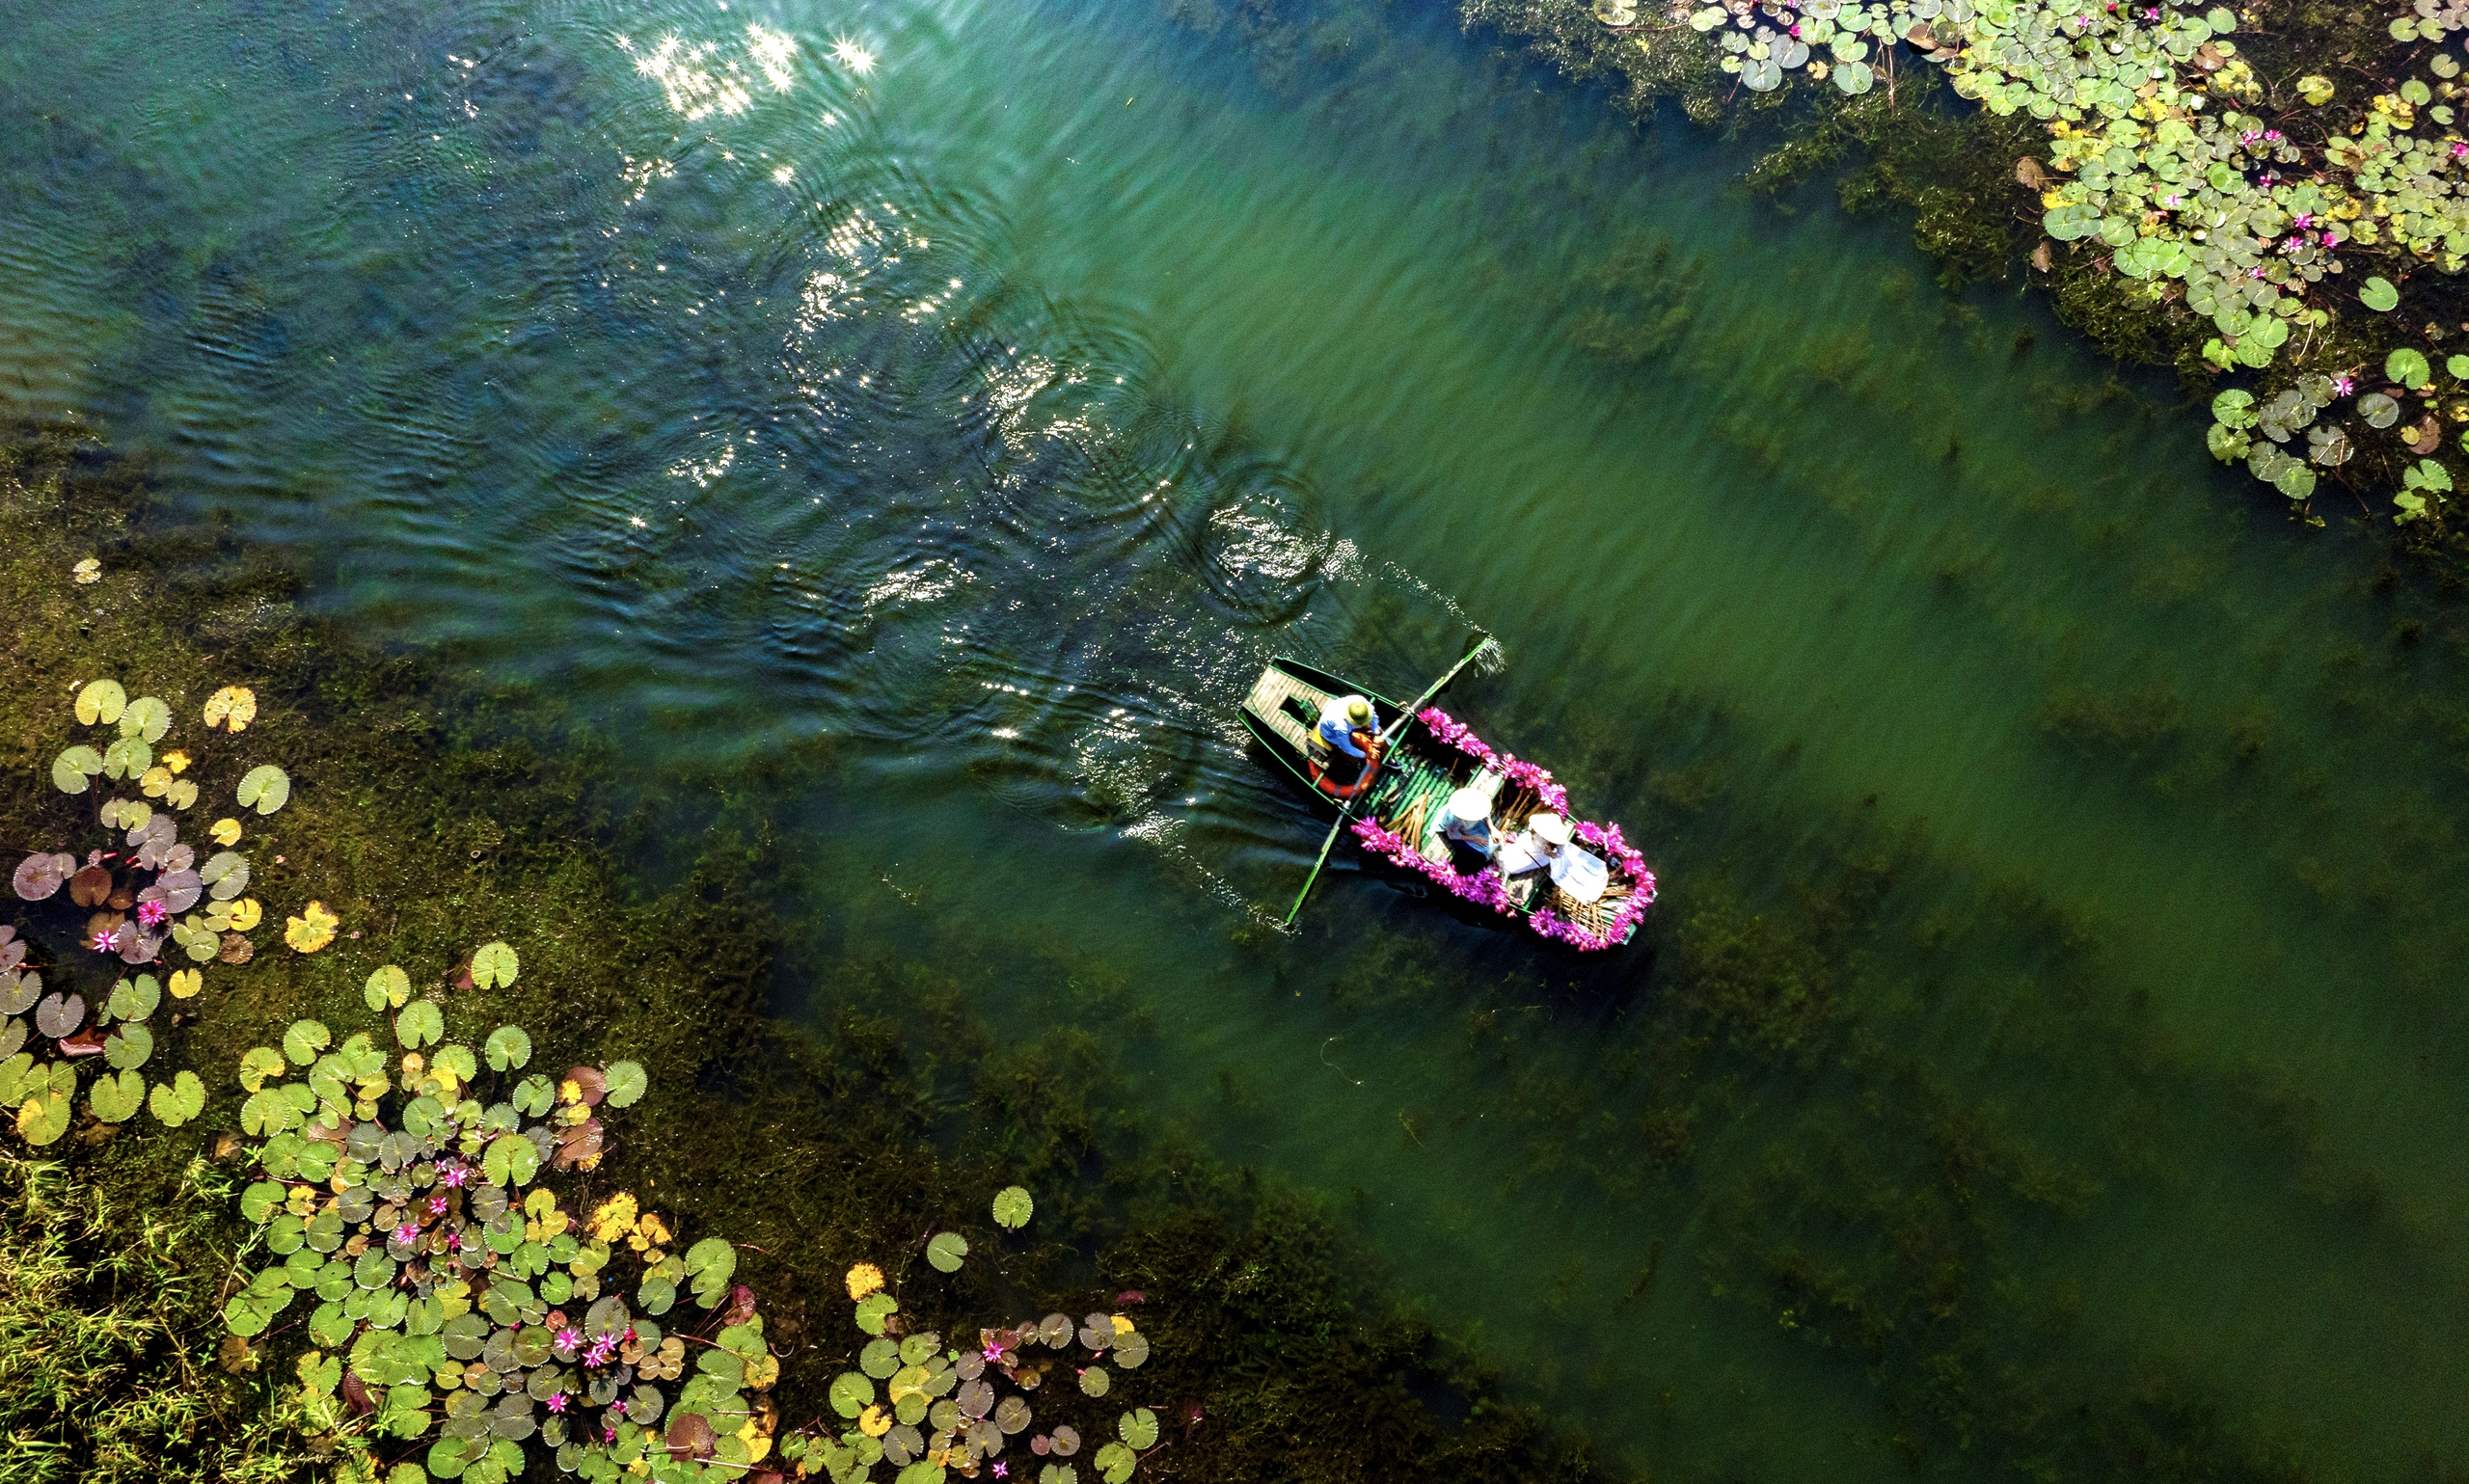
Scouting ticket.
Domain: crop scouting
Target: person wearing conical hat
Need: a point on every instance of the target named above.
(1466, 821)
(1533, 847)
(1350, 728)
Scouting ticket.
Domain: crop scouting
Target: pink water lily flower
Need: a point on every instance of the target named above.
(993, 1354)
(569, 1337)
(102, 941)
(437, 1206)
(557, 1401)
(152, 913)
(406, 1232)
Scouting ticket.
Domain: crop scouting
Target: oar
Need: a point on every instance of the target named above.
(1486, 657)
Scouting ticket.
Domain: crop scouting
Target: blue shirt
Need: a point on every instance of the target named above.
(1337, 730)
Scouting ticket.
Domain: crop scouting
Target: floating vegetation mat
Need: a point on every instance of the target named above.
(2259, 191)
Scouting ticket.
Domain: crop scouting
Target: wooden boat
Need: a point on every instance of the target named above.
(1399, 813)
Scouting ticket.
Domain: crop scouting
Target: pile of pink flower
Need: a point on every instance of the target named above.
(1484, 889)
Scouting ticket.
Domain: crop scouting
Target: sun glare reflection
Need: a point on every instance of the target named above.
(853, 56)
(699, 81)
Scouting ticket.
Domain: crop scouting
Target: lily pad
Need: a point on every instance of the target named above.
(626, 1082)
(146, 718)
(41, 875)
(236, 706)
(1138, 1428)
(304, 1039)
(2408, 367)
(102, 701)
(387, 989)
(58, 1014)
(127, 757)
(257, 1063)
(43, 1116)
(493, 965)
(1114, 1463)
(264, 788)
(116, 1097)
(128, 1048)
(70, 771)
(1095, 1382)
(710, 1261)
(509, 1047)
(224, 874)
(1012, 1207)
(2378, 411)
(134, 999)
(312, 930)
(945, 1251)
(1130, 1351)
(421, 1024)
(852, 1394)
(873, 1310)
(2378, 294)
(178, 1100)
(510, 1159)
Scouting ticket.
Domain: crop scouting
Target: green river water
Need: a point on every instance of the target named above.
(2051, 1026)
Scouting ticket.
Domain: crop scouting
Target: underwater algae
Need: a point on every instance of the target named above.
(424, 804)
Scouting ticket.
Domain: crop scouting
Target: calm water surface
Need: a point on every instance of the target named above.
(960, 400)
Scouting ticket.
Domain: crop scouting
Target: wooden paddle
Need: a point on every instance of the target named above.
(1485, 656)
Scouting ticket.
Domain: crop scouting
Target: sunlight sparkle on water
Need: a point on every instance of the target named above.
(853, 56)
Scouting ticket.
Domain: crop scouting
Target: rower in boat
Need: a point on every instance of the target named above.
(1349, 728)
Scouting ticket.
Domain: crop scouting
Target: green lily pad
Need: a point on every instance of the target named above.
(1095, 1382)
(2378, 294)
(626, 1083)
(493, 965)
(945, 1251)
(1114, 1463)
(711, 1262)
(127, 1049)
(264, 788)
(1138, 1428)
(70, 771)
(127, 757)
(2408, 367)
(102, 701)
(421, 1024)
(534, 1095)
(510, 1160)
(176, 1101)
(134, 999)
(852, 1394)
(509, 1047)
(116, 1097)
(146, 718)
(387, 989)
(304, 1039)
(873, 1310)
(1012, 1207)
(879, 1358)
